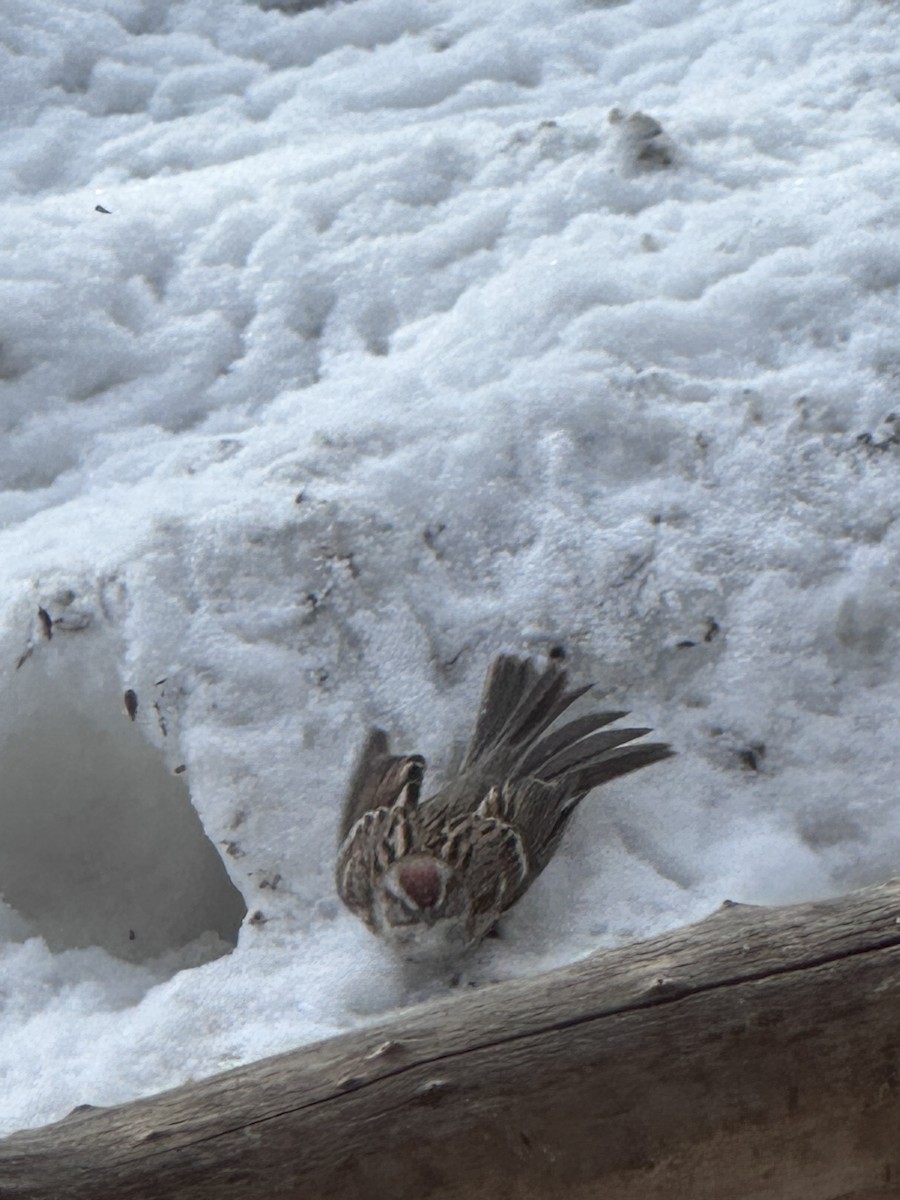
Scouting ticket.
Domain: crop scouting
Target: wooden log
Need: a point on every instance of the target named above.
(753, 1056)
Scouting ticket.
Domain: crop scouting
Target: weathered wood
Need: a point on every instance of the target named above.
(754, 1056)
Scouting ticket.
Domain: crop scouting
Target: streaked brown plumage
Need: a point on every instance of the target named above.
(432, 878)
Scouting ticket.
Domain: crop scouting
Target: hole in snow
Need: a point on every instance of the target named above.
(99, 842)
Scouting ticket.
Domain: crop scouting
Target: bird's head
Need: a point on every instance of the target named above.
(422, 908)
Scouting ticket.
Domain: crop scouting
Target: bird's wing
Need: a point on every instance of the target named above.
(539, 813)
(490, 855)
(539, 809)
(354, 869)
(378, 779)
(378, 837)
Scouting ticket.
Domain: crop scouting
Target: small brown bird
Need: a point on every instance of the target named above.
(432, 878)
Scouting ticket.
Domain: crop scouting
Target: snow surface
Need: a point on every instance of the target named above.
(408, 335)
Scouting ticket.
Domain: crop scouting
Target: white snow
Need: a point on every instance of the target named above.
(406, 338)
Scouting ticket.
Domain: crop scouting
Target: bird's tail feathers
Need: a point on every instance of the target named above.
(517, 704)
(613, 763)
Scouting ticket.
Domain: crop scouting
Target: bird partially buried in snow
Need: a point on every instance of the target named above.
(431, 878)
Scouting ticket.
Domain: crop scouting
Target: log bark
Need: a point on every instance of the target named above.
(753, 1056)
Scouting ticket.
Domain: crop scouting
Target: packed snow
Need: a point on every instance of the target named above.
(343, 346)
